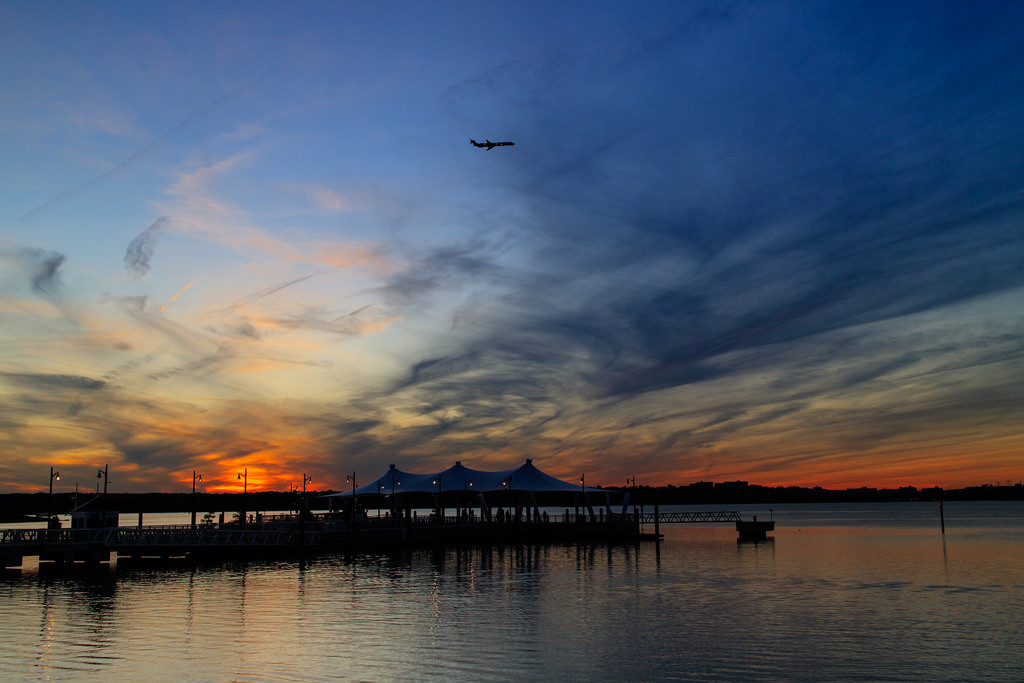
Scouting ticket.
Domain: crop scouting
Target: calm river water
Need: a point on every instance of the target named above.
(842, 592)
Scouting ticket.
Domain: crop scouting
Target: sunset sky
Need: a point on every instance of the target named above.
(778, 242)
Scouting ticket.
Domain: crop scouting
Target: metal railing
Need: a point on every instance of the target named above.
(688, 517)
(115, 538)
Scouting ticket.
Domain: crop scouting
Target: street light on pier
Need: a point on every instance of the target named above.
(508, 482)
(306, 478)
(440, 510)
(466, 485)
(352, 478)
(394, 483)
(49, 503)
(244, 476)
(104, 474)
(195, 478)
(583, 495)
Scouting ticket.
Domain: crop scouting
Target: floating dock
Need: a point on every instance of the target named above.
(754, 530)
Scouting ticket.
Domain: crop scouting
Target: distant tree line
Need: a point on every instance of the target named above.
(16, 506)
(741, 492)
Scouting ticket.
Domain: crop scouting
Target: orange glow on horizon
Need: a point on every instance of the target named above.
(277, 463)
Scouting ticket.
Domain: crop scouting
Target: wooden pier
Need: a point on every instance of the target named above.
(285, 535)
(295, 534)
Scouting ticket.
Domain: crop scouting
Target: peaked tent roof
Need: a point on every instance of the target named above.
(526, 477)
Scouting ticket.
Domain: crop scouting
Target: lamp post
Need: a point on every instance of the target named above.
(352, 478)
(104, 475)
(195, 478)
(440, 510)
(302, 507)
(244, 476)
(466, 484)
(49, 500)
(394, 504)
(631, 483)
(508, 483)
(583, 493)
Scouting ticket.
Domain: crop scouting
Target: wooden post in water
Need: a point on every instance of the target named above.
(657, 523)
(942, 517)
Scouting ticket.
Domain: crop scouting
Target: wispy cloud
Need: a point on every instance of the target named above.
(732, 241)
(140, 250)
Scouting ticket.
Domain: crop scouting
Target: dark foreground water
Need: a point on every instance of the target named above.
(843, 592)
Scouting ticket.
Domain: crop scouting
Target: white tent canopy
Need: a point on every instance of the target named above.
(526, 477)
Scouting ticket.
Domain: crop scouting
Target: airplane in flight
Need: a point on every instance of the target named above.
(491, 145)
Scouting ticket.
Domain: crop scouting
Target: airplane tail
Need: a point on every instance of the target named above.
(474, 142)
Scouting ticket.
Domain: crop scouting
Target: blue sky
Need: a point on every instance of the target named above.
(779, 242)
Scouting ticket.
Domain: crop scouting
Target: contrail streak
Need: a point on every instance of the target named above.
(143, 151)
(182, 291)
(256, 296)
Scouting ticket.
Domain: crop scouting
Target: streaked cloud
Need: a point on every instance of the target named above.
(733, 241)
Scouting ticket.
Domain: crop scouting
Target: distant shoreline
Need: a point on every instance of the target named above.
(21, 519)
(29, 507)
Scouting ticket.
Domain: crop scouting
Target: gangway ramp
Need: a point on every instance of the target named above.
(701, 517)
